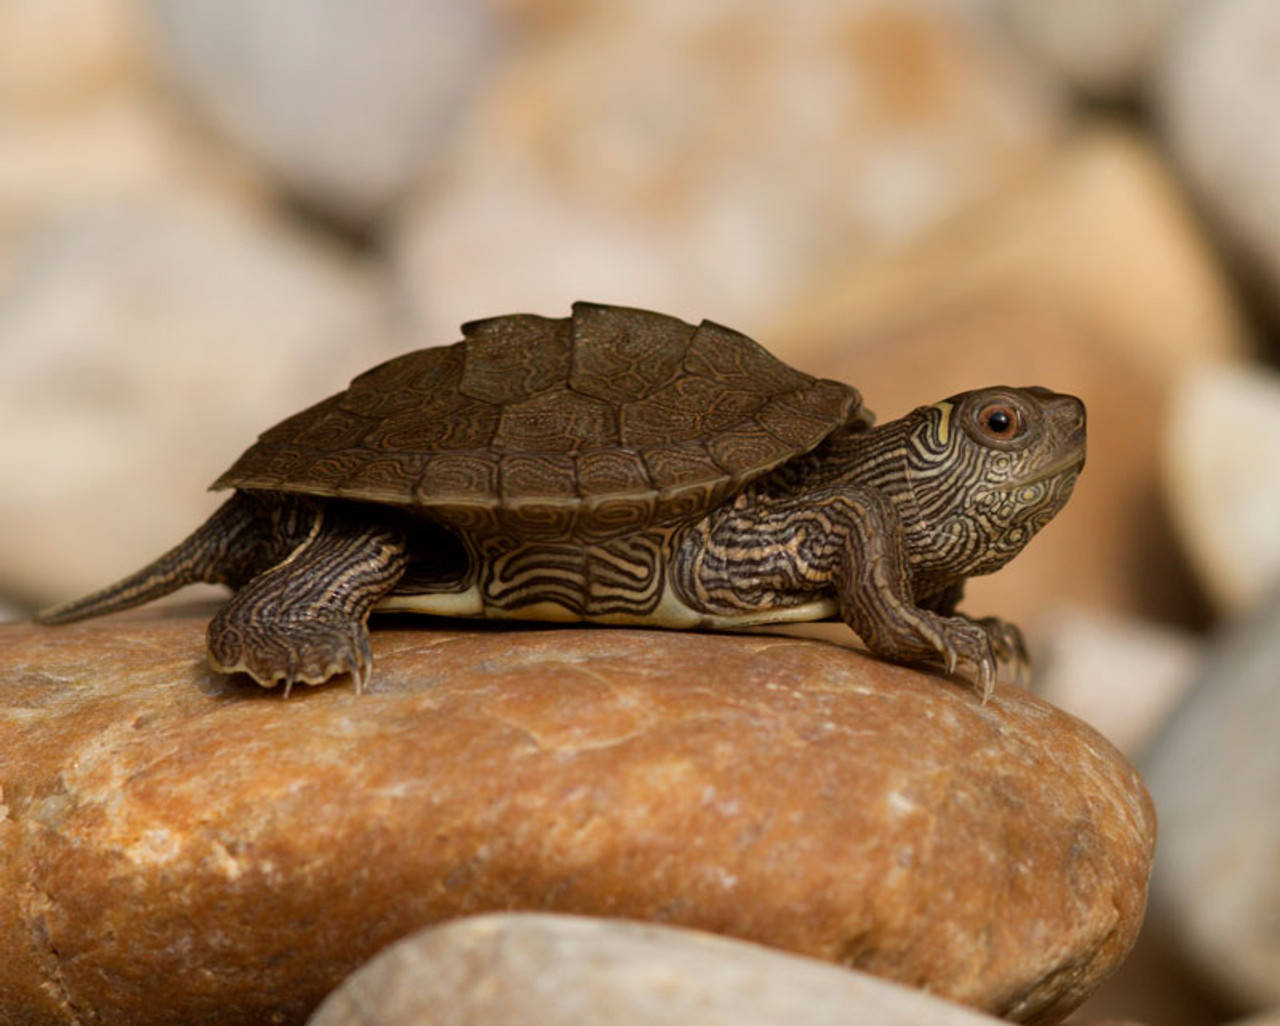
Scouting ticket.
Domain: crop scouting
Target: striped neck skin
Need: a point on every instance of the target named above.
(966, 508)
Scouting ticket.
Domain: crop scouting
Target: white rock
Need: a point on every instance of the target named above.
(1222, 479)
(557, 970)
(347, 103)
(1215, 777)
(1219, 93)
(144, 345)
(706, 158)
(1121, 675)
(1104, 47)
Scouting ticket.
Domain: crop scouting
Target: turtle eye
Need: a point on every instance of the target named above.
(1000, 421)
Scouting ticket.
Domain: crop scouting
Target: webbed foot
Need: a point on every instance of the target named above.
(305, 619)
(307, 651)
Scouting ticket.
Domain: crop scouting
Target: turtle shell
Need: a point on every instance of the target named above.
(590, 426)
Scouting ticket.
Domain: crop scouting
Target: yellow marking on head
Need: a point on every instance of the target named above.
(944, 425)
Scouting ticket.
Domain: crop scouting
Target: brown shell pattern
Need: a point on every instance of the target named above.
(591, 425)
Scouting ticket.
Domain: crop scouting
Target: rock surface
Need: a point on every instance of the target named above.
(151, 340)
(1218, 91)
(497, 970)
(1104, 48)
(185, 848)
(346, 104)
(1103, 235)
(1121, 675)
(1215, 775)
(722, 154)
(1222, 481)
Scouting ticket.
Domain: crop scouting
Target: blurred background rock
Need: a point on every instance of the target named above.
(214, 212)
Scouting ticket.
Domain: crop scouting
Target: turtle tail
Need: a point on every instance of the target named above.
(204, 556)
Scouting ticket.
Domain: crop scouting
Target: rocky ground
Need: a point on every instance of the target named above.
(215, 212)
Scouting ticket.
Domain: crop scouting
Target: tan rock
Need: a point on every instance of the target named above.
(1222, 481)
(1103, 235)
(187, 848)
(721, 153)
(97, 44)
(496, 970)
(146, 343)
(1110, 550)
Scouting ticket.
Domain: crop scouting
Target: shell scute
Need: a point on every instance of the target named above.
(585, 426)
(747, 446)
(559, 420)
(507, 359)
(621, 355)
(735, 361)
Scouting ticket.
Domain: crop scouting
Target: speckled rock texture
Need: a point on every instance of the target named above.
(497, 970)
(186, 848)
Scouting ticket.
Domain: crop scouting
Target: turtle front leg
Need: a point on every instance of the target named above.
(771, 553)
(1006, 638)
(306, 618)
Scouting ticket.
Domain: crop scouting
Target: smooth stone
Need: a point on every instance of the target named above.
(346, 103)
(1215, 776)
(146, 342)
(1222, 481)
(96, 43)
(1103, 48)
(187, 847)
(1217, 94)
(1103, 235)
(495, 970)
(722, 155)
(1122, 675)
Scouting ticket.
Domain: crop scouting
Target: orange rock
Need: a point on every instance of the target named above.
(182, 847)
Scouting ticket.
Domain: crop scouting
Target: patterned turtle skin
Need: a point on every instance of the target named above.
(618, 466)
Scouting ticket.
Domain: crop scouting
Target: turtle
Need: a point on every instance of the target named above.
(619, 466)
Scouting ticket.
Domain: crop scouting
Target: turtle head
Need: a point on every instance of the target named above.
(985, 470)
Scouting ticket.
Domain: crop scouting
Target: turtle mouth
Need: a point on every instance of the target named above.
(1073, 464)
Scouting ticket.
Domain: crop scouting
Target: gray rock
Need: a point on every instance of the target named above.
(145, 343)
(1222, 480)
(1215, 777)
(1103, 47)
(497, 970)
(1219, 93)
(1123, 675)
(346, 103)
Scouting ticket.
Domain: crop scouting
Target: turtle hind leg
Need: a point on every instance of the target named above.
(306, 618)
(210, 555)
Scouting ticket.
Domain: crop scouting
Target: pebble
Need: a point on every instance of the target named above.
(1218, 90)
(495, 970)
(723, 153)
(1215, 775)
(1222, 481)
(147, 341)
(187, 847)
(1103, 48)
(1122, 675)
(347, 104)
